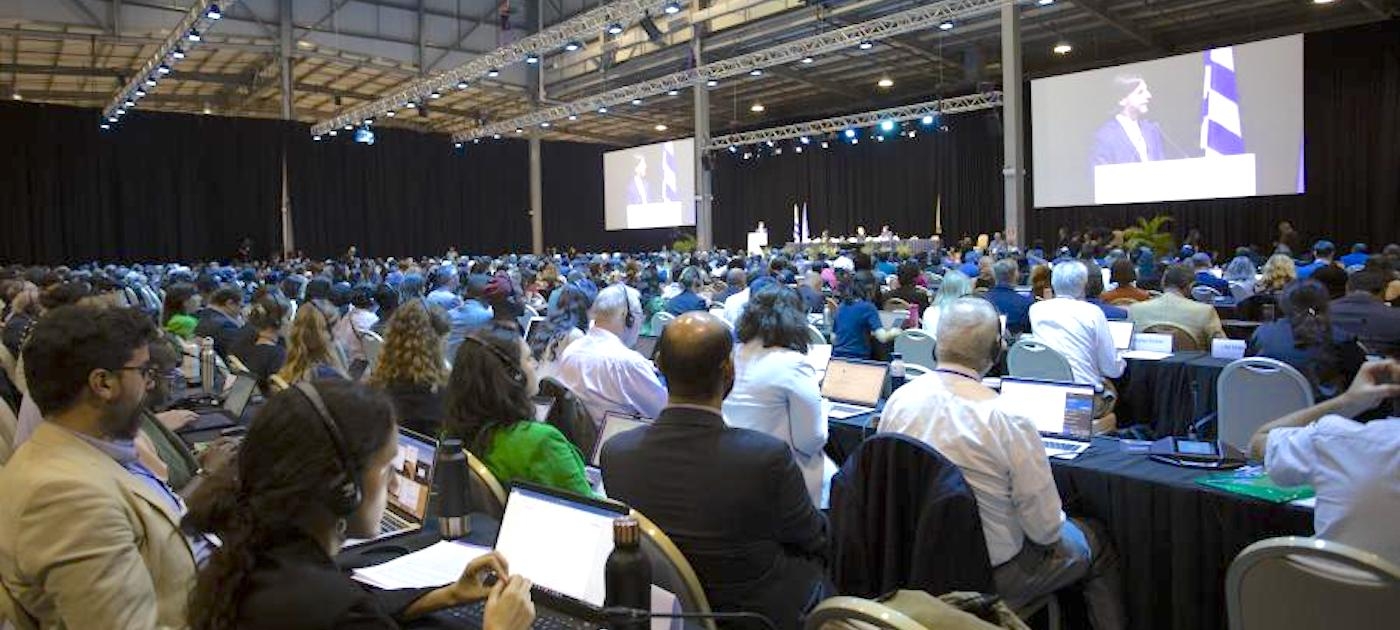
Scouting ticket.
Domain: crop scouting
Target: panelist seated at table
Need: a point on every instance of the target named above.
(1354, 466)
(1176, 307)
(1307, 340)
(732, 499)
(1033, 548)
(314, 470)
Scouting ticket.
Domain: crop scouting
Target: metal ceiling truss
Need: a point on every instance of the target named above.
(818, 128)
(198, 19)
(588, 25)
(916, 19)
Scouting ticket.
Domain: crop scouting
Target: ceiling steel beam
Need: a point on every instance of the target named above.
(1134, 31)
(122, 73)
(955, 105)
(131, 40)
(197, 18)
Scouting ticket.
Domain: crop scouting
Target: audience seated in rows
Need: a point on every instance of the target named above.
(858, 322)
(1125, 291)
(263, 352)
(1093, 292)
(222, 319)
(1363, 313)
(1077, 329)
(1014, 306)
(1307, 340)
(411, 368)
(603, 369)
(311, 352)
(1176, 308)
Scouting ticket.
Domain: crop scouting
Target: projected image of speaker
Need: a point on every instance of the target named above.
(651, 186)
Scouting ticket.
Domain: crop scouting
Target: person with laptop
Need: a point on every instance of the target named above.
(489, 406)
(1077, 330)
(315, 470)
(1033, 548)
(603, 370)
(775, 388)
(732, 499)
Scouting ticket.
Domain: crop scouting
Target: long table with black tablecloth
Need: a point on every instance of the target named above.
(1175, 538)
(1168, 394)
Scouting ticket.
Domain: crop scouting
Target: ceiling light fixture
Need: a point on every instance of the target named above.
(885, 82)
(493, 73)
(178, 54)
(214, 13)
(572, 46)
(573, 116)
(1062, 48)
(757, 108)
(711, 83)
(807, 60)
(673, 93)
(532, 58)
(756, 72)
(866, 45)
(462, 85)
(193, 35)
(672, 8)
(615, 28)
(661, 127)
(435, 95)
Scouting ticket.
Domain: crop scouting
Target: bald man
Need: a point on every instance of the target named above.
(733, 500)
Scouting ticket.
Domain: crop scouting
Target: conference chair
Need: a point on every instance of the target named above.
(671, 571)
(569, 415)
(914, 370)
(916, 347)
(9, 426)
(1029, 358)
(1182, 339)
(660, 321)
(896, 304)
(1310, 584)
(815, 336)
(1253, 391)
(487, 494)
(372, 344)
(902, 610)
(851, 613)
(1203, 293)
(7, 362)
(277, 383)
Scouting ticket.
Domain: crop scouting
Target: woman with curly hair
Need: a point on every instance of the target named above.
(311, 354)
(411, 368)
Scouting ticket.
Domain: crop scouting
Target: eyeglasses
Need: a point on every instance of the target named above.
(148, 372)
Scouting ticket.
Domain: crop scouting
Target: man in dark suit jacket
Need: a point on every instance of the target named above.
(1016, 307)
(733, 500)
(222, 320)
(1113, 144)
(1362, 312)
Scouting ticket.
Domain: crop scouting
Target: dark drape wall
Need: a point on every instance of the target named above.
(573, 203)
(163, 187)
(897, 182)
(410, 194)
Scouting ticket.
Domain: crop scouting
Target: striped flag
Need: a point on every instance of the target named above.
(670, 186)
(806, 233)
(796, 226)
(1221, 131)
(938, 216)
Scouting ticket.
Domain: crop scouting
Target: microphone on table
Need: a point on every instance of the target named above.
(620, 616)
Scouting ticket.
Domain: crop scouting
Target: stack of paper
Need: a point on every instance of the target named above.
(437, 565)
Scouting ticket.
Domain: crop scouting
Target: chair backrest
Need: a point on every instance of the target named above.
(1182, 339)
(7, 362)
(570, 416)
(372, 344)
(914, 370)
(1031, 359)
(1203, 293)
(916, 347)
(9, 426)
(815, 336)
(1124, 302)
(531, 312)
(671, 571)
(660, 321)
(854, 612)
(277, 383)
(896, 304)
(1253, 391)
(487, 494)
(1310, 584)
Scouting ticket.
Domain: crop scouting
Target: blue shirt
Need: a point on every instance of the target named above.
(1219, 284)
(1329, 372)
(1109, 311)
(465, 319)
(1306, 271)
(1355, 258)
(686, 302)
(855, 322)
(1016, 308)
(886, 267)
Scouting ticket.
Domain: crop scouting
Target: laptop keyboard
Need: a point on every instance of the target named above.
(1054, 447)
(391, 523)
(473, 616)
(843, 411)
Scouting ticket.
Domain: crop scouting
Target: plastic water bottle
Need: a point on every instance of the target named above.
(206, 365)
(896, 371)
(627, 574)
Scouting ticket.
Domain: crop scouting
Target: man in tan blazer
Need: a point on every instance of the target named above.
(89, 537)
(1175, 307)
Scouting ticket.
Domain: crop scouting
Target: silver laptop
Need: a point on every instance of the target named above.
(614, 424)
(1063, 413)
(1122, 334)
(409, 488)
(853, 386)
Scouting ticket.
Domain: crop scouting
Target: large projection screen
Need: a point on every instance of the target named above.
(651, 186)
(1227, 122)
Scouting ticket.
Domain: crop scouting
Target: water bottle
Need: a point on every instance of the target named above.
(896, 371)
(627, 574)
(449, 502)
(206, 365)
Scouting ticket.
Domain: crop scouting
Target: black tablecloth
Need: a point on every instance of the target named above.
(1168, 395)
(843, 437)
(1175, 537)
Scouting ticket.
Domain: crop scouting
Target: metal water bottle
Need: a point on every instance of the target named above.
(627, 574)
(449, 503)
(206, 365)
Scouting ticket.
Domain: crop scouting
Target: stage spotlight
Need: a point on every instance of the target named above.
(805, 140)
(111, 119)
(615, 28)
(207, 111)
(193, 35)
(572, 46)
(672, 8)
(673, 93)
(879, 138)
(544, 125)
(104, 126)
(947, 25)
(807, 60)
(411, 105)
(316, 138)
(850, 133)
(496, 136)
(150, 81)
(747, 155)
(519, 130)
(755, 73)
(214, 13)
(456, 145)
(121, 112)
(927, 120)
(866, 45)
(636, 101)
(333, 133)
(798, 149)
(532, 58)
(129, 103)
(163, 69)
(462, 85)
(887, 125)
(1045, 3)
(178, 54)
(602, 110)
(855, 140)
(369, 121)
(435, 94)
(826, 145)
(1062, 48)
(733, 149)
(768, 144)
(140, 92)
(660, 127)
(493, 73)
(476, 140)
(913, 133)
(349, 127)
(391, 113)
(573, 116)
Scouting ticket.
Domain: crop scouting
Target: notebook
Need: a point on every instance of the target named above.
(853, 387)
(1063, 413)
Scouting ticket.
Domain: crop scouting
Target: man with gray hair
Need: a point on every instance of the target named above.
(1075, 328)
(1034, 549)
(603, 370)
(1013, 305)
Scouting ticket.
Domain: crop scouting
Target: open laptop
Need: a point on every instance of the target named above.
(646, 346)
(1063, 413)
(853, 387)
(231, 413)
(560, 542)
(543, 405)
(614, 424)
(1122, 334)
(409, 488)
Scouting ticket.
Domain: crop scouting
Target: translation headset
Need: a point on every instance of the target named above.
(345, 493)
(515, 373)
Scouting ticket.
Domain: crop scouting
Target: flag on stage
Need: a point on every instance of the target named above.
(806, 233)
(796, 226)
(670, 185)
(1221, 131)
(938, 216)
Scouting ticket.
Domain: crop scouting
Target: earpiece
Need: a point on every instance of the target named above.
(515, 373)
(345, 492)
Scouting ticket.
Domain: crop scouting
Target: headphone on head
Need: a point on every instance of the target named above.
(344, 492)
(515, 372)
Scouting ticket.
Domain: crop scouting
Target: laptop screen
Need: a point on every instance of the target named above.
(558, 543)
(1055, 408)
(646, 346)
(613, 424)
(1122, 334)
(236, 400)
(413, 476)
(543, 405)
(855, 382)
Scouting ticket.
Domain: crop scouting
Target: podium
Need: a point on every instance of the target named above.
(1175, 180)
(757, 241)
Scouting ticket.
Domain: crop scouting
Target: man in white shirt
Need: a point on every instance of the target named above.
(1034, 550)
(350, 329)
(1077, 330)
(1354, 466)
(603, 370)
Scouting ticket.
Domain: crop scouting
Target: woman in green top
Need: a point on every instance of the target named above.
(181, 302)
(489, 407)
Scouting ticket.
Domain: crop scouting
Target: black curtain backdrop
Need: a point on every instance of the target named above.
(163, 187)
